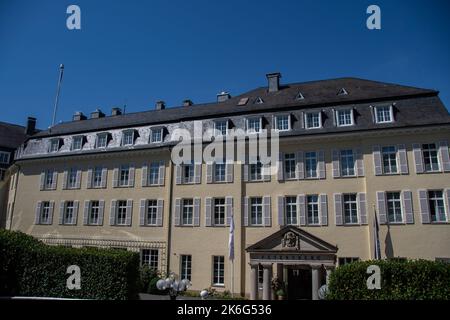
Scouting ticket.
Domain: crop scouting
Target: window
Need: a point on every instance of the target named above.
(347, 163)
(219, 211)
(45, 212)
(394, 207)
(313, 120)
(437, 208)
(219, 270)
(154, 173)
(282, 123)
(69, 212)
(347, 260)
(150, 257)
(256, 171)
(260, 276)
(188, 211)
(48, 182)
(124, 178)
(54, 145)
(77, 143)
(254, 125)
(256, 211)
(384, 114)
(350, 209)
(102, 140)
(430, 157)
(128, 138)
(152, 211)
(389, 155)
(344, 117)
(121, 212)
(291, 210)
(188, 173)
(2, 175)
(221, 127)
(289, 165)
(157, 135)
(4, 157)
(311, 164)
(312, 207)
(97, 177)
(72, 178)
(219, 172)
(186, 267)
(94, 210)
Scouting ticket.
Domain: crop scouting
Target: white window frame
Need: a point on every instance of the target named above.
(276, 118)
(306, 158)
(121, 210)
(398, 201)
(54, 142)
(153, 205)
(220, 263)
(436, 150)
(48, 179)
(95, 182)
(250, 130)
(355, 202)
(352, 119)
(150, 257)
(94, 210)
(191, 178)
(45, 207)
(75, 140)
(66, 211)
(435, 199)
(223, 212)
(294, 219)
(258, 175)
(186, 266)
(291, 158)
(154, 131)
(319, 113)
(72, 183)
(218, 132)
(316, 209)
(391, 114)
(101, 135)
(5, 157)
(342, 162)
(124, 134)
(255, 206)
(224, 176)
(390, 165)
(185, 206)
(122, 182)
(153, 179)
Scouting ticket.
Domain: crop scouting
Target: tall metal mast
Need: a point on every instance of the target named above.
(61, 72)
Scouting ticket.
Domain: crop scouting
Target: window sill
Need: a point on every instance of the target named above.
(150, 225)
(218, 285)
(353, 224)
(439, 222)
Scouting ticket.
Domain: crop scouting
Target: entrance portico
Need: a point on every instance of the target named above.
(302, 262)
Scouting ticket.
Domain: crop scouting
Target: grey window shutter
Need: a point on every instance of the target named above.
(280, 167)
(131, 178)
(76, 206)
(228, 208)
(86, 212)
(89, 178)
(160, 212)
(323, 210)
(267, 212)
(424, 206)
(301, 202)
(408, 206)
(101, 212)
(161, 173)
(42, 181)
(116, 177)
(338, 208)
(281, 211)
(78, 181)
(381, 205)
(245, 168)
(362, 208)
(403, 159)
(196, 212)
(104, 177)
(418, 158)
(129, 212)
(144, 177)
(443, 153)
(300, 167)
(229, 167)
(246, 209)
(52, 210)
(336, 164)
(208, 204)
(55, 180)
(209, 173)
(177, 211)
(37, 215)
(112, 213)
(321, 165)
(447, 195)
(142, 212)
(378, 169)
(198, 173)
(359, 163)
(178, 172)
(65, 179)
(267, 172)
(61, 212)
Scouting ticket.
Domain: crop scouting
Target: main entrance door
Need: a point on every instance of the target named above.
(299, 284)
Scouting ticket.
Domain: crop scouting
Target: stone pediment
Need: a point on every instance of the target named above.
(292, 239)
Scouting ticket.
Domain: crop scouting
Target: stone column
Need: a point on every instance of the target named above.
(315, 282)
(329, 270)
(253, 282)
(267, 281)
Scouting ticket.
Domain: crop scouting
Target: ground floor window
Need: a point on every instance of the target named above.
(347, 260)
(150, 257)
(218, 270)
(186, 267)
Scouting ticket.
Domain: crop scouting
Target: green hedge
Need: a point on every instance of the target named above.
(31, 268)
(400, 280)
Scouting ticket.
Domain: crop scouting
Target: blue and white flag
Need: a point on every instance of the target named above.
(231, 239)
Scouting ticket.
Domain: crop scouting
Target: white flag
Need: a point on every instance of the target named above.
(231, 239)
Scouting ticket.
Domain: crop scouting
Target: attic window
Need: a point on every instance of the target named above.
(259, 100)
(342, 92)
(77, 142)
(299, 96)
(243, 102)
(55, 144)
(128, 137)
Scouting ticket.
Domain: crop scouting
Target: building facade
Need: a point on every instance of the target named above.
(348, 149)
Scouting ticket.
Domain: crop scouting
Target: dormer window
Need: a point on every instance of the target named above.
(102, 140)
(342, 92)
(344, 117)
(157, 135)
(221, 127)
(313, 120)
(259, 100)
(55, 144)
(299, 96)
(128, 137)
(77, 142)
(384, 114)
(282, 122)
(254, 125)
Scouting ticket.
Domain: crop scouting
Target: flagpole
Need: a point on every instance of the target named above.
(58, 89)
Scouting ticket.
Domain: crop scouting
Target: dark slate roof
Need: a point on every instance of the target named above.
(316, 94)
(11, 135)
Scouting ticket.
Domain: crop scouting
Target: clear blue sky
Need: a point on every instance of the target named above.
(137, 52)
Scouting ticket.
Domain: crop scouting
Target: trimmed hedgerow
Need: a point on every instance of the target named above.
(31, 268)
(400, 280)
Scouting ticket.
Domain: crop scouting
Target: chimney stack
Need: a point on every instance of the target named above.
(160, 105)
(187, 103)
(31, 126)
(116, 111)
(78, 116)
(97, 114)
(223, 96)
(273, 81)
